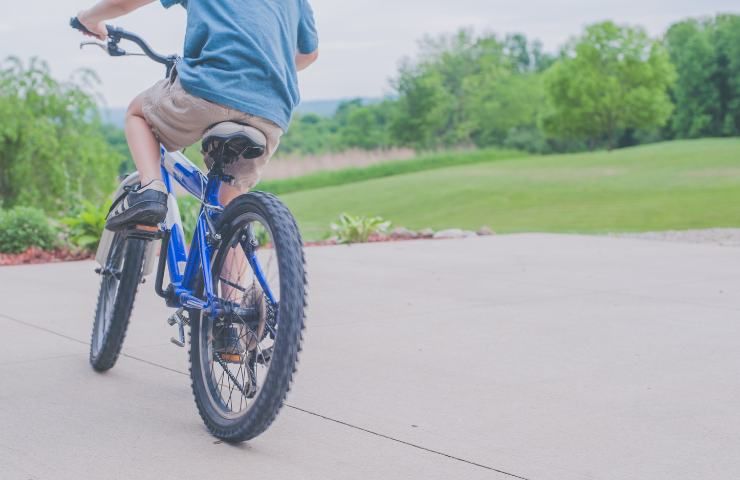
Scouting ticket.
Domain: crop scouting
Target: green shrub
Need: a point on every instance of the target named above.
(351, 229)
(23, 227)
(53, 152)
(85, 228)
(189, 211)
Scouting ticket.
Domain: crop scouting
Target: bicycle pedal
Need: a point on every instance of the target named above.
(145, 232)
(178, 318)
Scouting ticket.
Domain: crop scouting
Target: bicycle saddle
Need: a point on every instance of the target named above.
(228, 142)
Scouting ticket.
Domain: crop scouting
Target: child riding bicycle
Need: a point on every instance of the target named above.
(239, 65)
(240, 288)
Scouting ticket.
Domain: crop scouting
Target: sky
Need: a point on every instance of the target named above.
(362, 41)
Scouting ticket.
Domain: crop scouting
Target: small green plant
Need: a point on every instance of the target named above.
(24, 227)
(261, 234)
(86, 226)
(352, 229)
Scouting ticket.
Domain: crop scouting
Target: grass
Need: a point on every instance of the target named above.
(384, 169)
(675, 185)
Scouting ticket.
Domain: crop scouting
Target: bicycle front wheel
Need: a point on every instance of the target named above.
(120, 279)
(243, 358)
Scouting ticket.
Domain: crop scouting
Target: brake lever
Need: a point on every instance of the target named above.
(111, 49)
(103, 46)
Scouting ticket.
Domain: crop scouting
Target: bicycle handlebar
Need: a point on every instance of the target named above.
(116, 34)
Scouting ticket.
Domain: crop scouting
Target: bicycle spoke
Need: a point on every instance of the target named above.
(245, 359)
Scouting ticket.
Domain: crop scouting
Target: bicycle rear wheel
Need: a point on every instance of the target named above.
(120, 279)
(242, 361)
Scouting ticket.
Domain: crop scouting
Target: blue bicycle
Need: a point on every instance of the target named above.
(240, 288)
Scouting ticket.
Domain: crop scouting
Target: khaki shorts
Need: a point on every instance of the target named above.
(179, 119)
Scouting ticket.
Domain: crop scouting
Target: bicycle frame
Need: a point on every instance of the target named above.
(184, 266)
(177, 166)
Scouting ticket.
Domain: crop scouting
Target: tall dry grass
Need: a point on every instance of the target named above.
(288, 166)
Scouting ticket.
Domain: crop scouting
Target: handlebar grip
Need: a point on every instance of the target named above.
(75, 22)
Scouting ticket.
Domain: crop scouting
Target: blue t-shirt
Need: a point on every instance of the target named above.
(241, 53)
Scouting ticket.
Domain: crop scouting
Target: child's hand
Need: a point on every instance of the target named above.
(97, 28)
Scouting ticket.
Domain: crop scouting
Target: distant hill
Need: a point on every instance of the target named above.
(325, 108)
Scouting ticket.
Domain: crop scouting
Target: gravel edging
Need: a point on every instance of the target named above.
(727, 237)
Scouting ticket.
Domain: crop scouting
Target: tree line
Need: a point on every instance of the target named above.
(613, 86)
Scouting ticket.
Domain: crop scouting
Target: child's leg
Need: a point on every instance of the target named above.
(229, 193)
(235, 265)
(148, 204)
(246, 174)
(143, 144)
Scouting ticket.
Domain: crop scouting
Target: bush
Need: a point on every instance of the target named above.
(528, 139)
(53, 152)
(85, 228)
(350, 229)
(24, 227)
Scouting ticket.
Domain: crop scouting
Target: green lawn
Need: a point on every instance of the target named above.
(676, 185)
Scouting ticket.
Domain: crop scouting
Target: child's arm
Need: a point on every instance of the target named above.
(94, 18)
(308, 39)
(304, 60)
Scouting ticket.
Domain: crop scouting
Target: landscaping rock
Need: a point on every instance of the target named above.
(426, 233)
(469, 234)
(485, 231)
(402, 233)
(449, 234)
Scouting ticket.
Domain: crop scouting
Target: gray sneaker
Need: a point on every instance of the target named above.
(144, 205)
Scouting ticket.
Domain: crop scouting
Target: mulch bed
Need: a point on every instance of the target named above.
(376, 238)
(36, 255)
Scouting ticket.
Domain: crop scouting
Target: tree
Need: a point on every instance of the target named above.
(706, 54)
(52, 152)
(526, 56)
(465, 89)
(367, 126)
(310, 134)
(612, 78)
(116, 138)
(431, 91)
(727, 40)
(425, 109)
(696, 97)
(500, 99)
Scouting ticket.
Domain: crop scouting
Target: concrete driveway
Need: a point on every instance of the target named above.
(526, 356)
